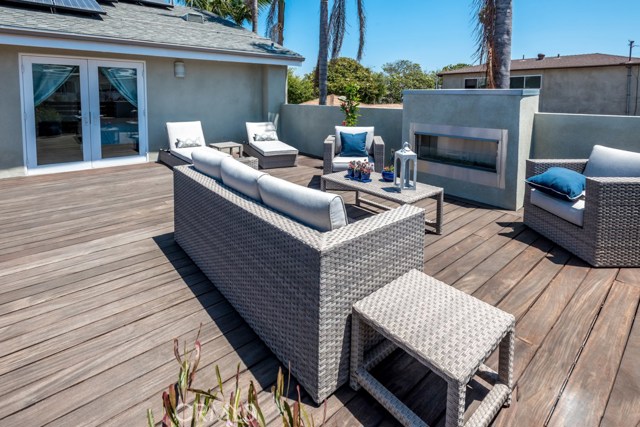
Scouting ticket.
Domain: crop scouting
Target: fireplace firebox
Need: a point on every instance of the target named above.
(475, 153)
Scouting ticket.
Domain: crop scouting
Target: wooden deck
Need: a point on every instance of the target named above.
(93, 289)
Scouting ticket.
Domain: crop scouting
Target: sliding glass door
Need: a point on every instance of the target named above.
(83, 113)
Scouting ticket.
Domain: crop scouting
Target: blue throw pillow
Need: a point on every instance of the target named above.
(354, 144)
(562, 183)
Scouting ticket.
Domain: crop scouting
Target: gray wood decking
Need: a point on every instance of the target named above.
(93, 289)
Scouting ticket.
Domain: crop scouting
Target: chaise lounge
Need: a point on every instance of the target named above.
(288, 260)
(264, 144)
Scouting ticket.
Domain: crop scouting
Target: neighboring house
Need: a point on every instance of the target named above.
(82, 89)
(589, 84)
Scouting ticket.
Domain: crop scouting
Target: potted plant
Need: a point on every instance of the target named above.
(387, 173)
(356, 170)
(365, 171)
(349, 105)
(351, 169)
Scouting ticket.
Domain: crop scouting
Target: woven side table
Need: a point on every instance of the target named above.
(448, 331)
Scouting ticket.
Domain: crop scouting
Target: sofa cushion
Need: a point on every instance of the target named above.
(186, 154)
(209, 161)
(355, 129)
(314, 208)
(560, 182)
(241, 178)
(353, 144)
(611, 162)
(572, 211)
(273, 148)
(341, 163)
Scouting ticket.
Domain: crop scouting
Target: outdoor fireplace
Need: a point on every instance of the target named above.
(469, 153)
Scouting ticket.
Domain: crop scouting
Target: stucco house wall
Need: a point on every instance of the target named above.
(589, 90)
(222, 95)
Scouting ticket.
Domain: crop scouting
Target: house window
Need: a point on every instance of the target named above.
(526, 82)
(475, 83)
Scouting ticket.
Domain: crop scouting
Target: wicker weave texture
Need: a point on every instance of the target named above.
(448, 331)
(293, 285)
(329, 153)
(610, 235)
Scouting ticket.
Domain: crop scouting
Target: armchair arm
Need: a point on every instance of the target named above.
(613, 203)
(378, 153)
(328, 154)
(538, 166)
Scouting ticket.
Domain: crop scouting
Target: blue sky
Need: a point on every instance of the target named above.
(438, 33)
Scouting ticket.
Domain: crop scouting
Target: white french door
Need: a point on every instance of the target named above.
(83, 113)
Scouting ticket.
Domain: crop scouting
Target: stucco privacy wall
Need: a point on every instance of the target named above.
(572, 136)
(306, 126)
(222, 95)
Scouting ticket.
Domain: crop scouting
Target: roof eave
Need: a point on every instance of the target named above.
(39, 38)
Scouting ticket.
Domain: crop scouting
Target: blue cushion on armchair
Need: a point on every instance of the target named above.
(354, 144)
(560, 182)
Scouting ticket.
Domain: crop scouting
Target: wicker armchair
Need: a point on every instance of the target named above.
(293, 285)
(329, 154)
(610, 234)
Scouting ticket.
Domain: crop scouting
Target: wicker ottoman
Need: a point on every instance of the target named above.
(448, 331)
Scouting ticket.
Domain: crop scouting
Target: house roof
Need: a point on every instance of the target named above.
(569, 61)
(128, 24)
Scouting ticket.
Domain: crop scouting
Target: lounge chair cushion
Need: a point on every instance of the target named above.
(186, 154)
(355, 129)
(185, 131)
(341, 163)
(266, 136)
(241, 178)
(572, 211)
(273, 148)
(611, 162)
(316, 209)
(209, 162)
(560, 182)
(353, 144)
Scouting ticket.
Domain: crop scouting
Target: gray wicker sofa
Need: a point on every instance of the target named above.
(293, 285)
(610, 232)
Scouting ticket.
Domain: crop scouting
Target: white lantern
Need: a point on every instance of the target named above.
(405, 168)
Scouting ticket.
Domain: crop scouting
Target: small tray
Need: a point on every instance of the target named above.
(358, 179)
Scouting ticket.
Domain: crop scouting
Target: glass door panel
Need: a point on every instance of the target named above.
(57, 104)
(118, 116)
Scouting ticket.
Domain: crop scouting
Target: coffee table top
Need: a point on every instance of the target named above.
(381, 188)
(444, 328)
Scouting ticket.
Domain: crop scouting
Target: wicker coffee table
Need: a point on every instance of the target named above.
(386, 190)
(448, 331)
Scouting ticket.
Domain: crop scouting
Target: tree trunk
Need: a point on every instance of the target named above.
(281, 6)
(502, 60)
(323, 51)
(254, 16)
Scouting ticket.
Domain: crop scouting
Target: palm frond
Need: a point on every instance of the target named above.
(362, 21)
(271, 20)
(337, 27)
(485, 12)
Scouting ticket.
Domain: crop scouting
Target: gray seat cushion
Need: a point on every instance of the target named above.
(273, 148)
(572, 211)
(241, 178)
(611, 162)
(208, 161)
(316, 209)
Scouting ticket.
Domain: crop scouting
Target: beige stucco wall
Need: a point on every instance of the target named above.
(222, 95)
(594, 90)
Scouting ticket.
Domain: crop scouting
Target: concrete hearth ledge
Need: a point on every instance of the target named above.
(495, 92)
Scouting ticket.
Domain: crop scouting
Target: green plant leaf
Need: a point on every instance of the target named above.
(150, 421)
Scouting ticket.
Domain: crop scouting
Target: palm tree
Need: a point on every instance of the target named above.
(275, 21)
(253, 7)
(332, 31)
(493, 38)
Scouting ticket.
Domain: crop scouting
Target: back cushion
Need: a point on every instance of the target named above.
(189, 133)
(260, 128)
(208, 161)
(314, 208)
(348, 129)
(611, 162)
(241, 178)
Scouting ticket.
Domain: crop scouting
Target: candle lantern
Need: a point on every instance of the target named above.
(405, 168)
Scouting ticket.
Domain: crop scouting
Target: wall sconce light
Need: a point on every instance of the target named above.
(178, 69)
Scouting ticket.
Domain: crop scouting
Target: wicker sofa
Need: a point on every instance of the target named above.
(293, 285)
(610, 232)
